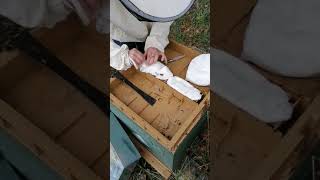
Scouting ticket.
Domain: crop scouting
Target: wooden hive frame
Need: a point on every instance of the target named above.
(274, 150)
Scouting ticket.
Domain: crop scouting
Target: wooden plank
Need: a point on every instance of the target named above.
(194, 130)
(182, 49)
(42, 146)
(305, 124)
(227, 14)
(15, 71)
(46, 91)
(129, 97)
(87, 138)
(24, 160)
(194, 117)
(309, 165)
(152, 160)
(90, 59)
(141, 122)
(154, 146)
(238, 134)
(101, 165)
(233, 43)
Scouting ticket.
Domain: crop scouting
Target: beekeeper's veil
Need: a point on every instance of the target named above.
(157, 10)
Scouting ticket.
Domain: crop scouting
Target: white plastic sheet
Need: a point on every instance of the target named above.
(238, 83)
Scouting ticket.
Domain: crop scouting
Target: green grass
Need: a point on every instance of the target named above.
(196, 164)
(193, 29)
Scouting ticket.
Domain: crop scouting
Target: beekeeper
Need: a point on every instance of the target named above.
(139, 30)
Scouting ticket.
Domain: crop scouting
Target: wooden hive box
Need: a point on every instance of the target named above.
(244, 147)
(48, 129)
(168, 127)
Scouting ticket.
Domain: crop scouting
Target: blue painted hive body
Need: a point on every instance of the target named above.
(123, 154)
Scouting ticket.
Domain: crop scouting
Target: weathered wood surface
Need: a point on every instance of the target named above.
(152, 160)
(42, 146)
(55, 106)
(301, 134)
(154, 145)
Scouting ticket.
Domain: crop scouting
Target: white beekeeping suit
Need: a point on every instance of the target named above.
(34, 13)
(125, 27)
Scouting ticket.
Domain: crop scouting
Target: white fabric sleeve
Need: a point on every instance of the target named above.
(244, 87)
(34, 13)
(158, 36)
(119, 57)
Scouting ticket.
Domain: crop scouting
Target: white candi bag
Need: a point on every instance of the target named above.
(157, 69)
(162, 72)
(184, 87)
(283, 37)
(199, 70)
(240, 84)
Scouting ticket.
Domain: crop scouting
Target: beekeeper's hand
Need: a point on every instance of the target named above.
(153, 54)
(136, 56)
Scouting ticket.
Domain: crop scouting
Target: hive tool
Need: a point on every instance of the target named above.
(149, 99)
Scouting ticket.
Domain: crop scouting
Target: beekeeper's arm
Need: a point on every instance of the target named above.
(34, 13)
(157, 41)
(121, 58)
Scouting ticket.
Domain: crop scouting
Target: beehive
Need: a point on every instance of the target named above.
(168, 127)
